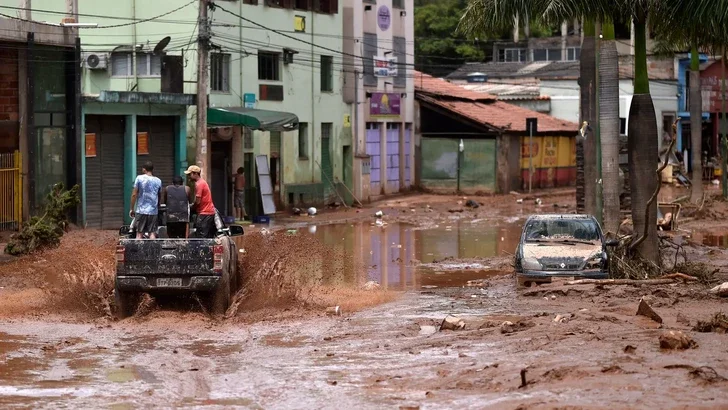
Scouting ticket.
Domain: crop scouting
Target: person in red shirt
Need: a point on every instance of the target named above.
(205, 223)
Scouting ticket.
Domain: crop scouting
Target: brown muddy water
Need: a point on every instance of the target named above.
(400, 256)
(387, 357)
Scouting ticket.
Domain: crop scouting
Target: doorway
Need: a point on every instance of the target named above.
(221, 176)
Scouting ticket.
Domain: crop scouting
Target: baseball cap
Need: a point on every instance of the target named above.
(193, 168)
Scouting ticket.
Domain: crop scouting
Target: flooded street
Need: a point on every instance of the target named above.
(575, 346)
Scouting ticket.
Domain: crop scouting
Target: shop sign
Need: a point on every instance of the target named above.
(384, 105)
(142, 143)
(90, 145)
(384, 18)
(385, 66)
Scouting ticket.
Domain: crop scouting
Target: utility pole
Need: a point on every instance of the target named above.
(25, 13)
(203, 47)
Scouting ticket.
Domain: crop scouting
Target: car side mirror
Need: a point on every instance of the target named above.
(236, 230)
(611, 243)
(124, 230)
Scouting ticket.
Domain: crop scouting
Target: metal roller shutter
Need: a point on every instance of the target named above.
(161, 132)
(105, 173)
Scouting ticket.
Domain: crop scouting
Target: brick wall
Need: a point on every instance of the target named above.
(9, 92)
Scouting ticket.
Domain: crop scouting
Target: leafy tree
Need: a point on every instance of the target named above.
(438, 49)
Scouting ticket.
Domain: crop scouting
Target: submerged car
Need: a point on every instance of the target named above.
(561, 246)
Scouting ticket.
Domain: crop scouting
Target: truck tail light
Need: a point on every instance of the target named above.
(120, 254)
(217, 252)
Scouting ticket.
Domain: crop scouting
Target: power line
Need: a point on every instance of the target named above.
(139, 21)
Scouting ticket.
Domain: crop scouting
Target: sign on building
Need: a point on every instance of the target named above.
(385, 66)
(384, 105)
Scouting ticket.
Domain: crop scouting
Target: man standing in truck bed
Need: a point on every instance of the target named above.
(145, 199)
(205, 223)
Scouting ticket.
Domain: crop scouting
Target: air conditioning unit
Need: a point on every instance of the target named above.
(96, 61)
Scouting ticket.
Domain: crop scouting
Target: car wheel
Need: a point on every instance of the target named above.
(221, 296)
(126, 303)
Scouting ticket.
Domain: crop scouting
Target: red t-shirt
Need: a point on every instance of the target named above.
(202, 191)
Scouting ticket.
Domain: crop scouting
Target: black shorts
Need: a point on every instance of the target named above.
(146, 223)
(177, 230)
(205, 226)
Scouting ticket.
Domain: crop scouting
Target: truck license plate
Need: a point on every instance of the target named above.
(169, 282)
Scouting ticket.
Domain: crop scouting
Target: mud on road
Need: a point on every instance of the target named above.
(578, 346)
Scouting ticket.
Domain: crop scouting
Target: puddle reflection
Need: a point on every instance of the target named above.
(390, 252)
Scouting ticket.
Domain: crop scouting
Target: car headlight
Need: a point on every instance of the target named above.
(595, 261)
(531, 264)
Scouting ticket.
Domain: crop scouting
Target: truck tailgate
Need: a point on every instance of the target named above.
(177, 257)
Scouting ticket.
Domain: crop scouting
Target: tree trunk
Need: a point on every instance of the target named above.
(696, 128)
(609, 128)
(642, 146)
(587, 108)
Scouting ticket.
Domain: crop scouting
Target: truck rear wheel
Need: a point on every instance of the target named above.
(221, 297)
(126, 303)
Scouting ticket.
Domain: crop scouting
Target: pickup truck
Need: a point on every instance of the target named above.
(176, 266)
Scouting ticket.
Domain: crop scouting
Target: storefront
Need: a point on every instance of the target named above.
(122, 131)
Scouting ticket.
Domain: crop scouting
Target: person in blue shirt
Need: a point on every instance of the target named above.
(145, 200)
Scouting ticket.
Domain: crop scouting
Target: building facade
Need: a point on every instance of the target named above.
(39, 131)
(471, 142)
(559, 81)
(267, 57)
(378, 81)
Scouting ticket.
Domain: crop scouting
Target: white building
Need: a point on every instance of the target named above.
(560, 82)
(376, 34)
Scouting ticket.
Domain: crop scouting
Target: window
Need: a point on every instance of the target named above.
(368, 53)
(327, 73)
(253, 2)
(147, 64)
(514, 55)
(399, 44)
(326, 6)
(269, 66)
(327, 129)
(554, 54)
(398, 4)
(573, 53)
(121, 64)
(247, 138)
(302, 4)
(302, 140)
(623, 126)
(540, 54)
(270, 92)
(220, 72)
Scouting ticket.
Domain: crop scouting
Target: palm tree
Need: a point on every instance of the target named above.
(696, 126)
(609, 126)
(587, 112)
(491, 16)
(697, 25)
(485, 15)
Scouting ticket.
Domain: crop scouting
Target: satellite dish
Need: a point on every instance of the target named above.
(162, 44)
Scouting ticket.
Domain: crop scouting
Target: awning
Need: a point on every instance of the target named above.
(252, 118)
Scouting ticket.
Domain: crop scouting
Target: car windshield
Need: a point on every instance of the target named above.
(562, 230)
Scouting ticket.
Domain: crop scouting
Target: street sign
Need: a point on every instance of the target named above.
(532, 125)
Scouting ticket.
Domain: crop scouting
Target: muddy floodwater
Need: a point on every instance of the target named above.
(400, 256)
(552, 346)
